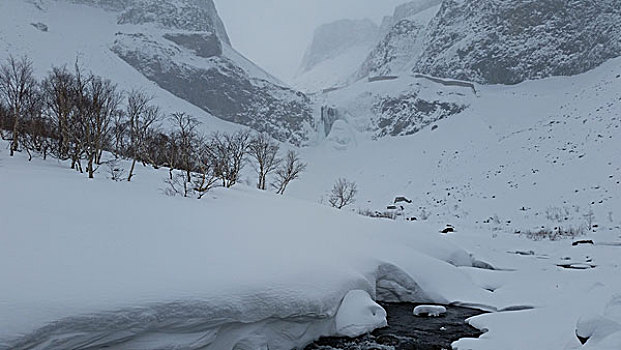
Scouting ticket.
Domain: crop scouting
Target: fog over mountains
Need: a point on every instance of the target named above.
(478, 142)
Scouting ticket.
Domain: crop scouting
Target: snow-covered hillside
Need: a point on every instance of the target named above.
(505, 157)
(179, 45)
(121, 265)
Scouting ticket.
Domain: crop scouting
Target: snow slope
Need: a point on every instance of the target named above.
(511, 155)
(103, 263)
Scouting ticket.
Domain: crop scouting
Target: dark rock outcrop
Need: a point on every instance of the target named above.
(507, 42)
(501, 42)
(182, 46)
(219, 86)
(408, 114)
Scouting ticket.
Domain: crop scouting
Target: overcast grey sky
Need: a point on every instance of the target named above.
(275, 33)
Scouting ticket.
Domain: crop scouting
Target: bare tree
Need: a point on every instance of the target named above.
(265, 152)
(35, 132)
(142, 117)
(119, 132)
(185, 139)
(343, 193)
(3, 119)
(206, 177)
(171, 153)
(228, 153)
(289, 171)
(99, 101)
(17, 83)
(238, 143)
(58, 88)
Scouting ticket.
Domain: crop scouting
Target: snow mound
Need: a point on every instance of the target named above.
(602, 331)
(429, 310)
(359, 314)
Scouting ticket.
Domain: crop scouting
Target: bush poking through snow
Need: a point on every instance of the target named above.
(378, 214)
(115, 172)
(554, 234)
(343, 193)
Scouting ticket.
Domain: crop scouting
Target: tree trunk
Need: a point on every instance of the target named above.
(131, 171)
(15, 143)
(89, 168)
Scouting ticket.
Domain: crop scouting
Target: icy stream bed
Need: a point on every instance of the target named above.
(406, 331)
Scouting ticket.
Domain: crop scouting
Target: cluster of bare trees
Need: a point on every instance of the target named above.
(68, 114)
(77, 116)
(221, 157)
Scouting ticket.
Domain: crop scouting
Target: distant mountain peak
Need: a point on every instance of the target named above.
(331, 39)
(336, 50)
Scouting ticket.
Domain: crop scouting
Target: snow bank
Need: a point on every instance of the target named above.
(602, 330)
(100, 263)
(359, 314)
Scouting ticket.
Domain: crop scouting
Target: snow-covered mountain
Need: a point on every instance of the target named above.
(181, 45)
(336, 51)
(403, 35)
(501, 42)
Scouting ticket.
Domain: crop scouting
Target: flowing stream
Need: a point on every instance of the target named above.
(408, 332)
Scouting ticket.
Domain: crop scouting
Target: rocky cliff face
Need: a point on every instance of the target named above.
(403, 39)
(501, 41)
(191, 15)
(183, 47)
(506, 42)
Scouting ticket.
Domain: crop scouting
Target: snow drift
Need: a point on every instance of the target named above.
(104, 264)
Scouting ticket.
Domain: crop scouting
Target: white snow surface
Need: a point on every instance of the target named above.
(359, 314)
(516, 157)
(93, 263)
(429, 310)
(99, 263)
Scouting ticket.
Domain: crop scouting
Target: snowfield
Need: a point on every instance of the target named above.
(103, 263)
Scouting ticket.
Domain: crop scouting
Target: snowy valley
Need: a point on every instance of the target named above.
(487, 170)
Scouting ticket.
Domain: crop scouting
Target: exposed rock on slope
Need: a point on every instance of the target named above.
(403, 40)
(183, 47)
(506, 42)
(407, 114)
(216, 84)
(191, 15)
(502, 42)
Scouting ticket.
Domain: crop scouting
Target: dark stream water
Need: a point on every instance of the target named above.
(408, 332)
